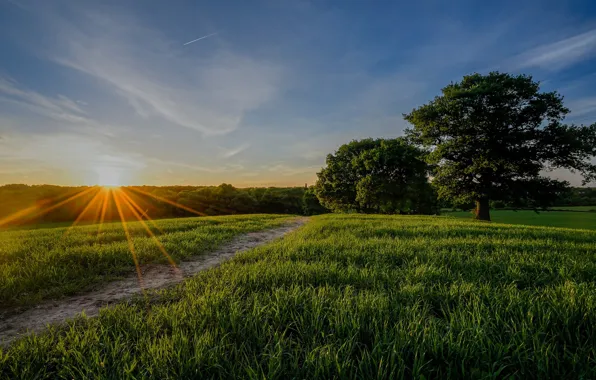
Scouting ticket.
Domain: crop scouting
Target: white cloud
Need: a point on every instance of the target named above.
(316, 154)
(60, 109)
(286, 170)
(65, 151)
(207, 169)
(227, 153)
(209, 92)
(560, 54)
(580, 107)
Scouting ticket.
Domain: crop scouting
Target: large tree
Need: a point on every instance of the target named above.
(491, 137)
(382, 175)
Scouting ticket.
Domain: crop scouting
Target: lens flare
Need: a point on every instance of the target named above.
(97, 206)
(131, 246)
(126, 199)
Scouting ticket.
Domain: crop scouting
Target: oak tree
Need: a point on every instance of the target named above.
(492, 137)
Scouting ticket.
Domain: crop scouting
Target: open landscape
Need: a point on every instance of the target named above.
(297, 189)
(351, 296)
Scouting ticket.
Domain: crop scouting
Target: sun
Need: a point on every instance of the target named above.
(109, 176)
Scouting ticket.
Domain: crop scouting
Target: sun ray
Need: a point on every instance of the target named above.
(126, 201)
(18, 215)
(30, 212)
(104, 207)
(168, 201)
(103, 192)
(87, 207)
(140, 210)
(130, 243)
(220, 209)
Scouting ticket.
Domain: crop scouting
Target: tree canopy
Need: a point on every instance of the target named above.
(491, 137)
(376, 175)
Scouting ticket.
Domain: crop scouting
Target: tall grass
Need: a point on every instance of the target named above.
(352, 297)
(49, 263)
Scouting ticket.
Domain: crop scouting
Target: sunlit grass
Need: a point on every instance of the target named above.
(570, 219)
(353, 296)
(56, 278)
(49, 263)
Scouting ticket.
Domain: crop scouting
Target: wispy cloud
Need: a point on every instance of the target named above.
(198, 168)
(287, 170)
(17, 4)
(210, 93)
(227, 153)
(559, 54)
(296, 94)
(581, 107)
(64, 158)
(200, 38)
(59, 108)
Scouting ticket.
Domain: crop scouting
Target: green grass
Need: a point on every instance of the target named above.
(352, 297)
(47, 225)
(570, 219)
(40, 264)
(575, 208)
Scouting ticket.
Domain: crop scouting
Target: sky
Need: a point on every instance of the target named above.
(115, 93)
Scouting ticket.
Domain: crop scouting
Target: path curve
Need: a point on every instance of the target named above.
(154, 276)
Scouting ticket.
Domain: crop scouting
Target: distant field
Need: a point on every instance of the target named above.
(38, 264)
(584, 220)
(576, 208)
(352, 296)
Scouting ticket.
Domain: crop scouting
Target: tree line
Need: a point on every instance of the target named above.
(152, 201)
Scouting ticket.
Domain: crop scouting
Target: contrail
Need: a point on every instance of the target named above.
(200, 38)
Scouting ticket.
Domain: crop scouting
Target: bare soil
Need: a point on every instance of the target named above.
(153, 277)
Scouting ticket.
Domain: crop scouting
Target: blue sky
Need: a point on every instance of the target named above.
(107, 91)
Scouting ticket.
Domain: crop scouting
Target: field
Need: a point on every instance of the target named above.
(564, 219)
(576, 208)
(49, 263)
(352, 296)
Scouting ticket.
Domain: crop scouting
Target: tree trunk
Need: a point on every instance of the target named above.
(482, 209)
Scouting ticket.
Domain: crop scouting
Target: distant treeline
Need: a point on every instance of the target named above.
(24, 204)
(575, 196)
(47, 203)
(578, 196)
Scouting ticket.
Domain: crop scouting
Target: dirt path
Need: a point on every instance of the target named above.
(156, 276)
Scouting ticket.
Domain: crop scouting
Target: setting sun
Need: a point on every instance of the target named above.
(109, 176)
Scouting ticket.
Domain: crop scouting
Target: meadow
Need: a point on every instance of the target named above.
(48, 263)
(575, 208)
(564, 219)
(352, 296)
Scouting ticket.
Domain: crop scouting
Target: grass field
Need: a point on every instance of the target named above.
(576, 208)
(49, 263)
(584, 220)
(352, 297)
